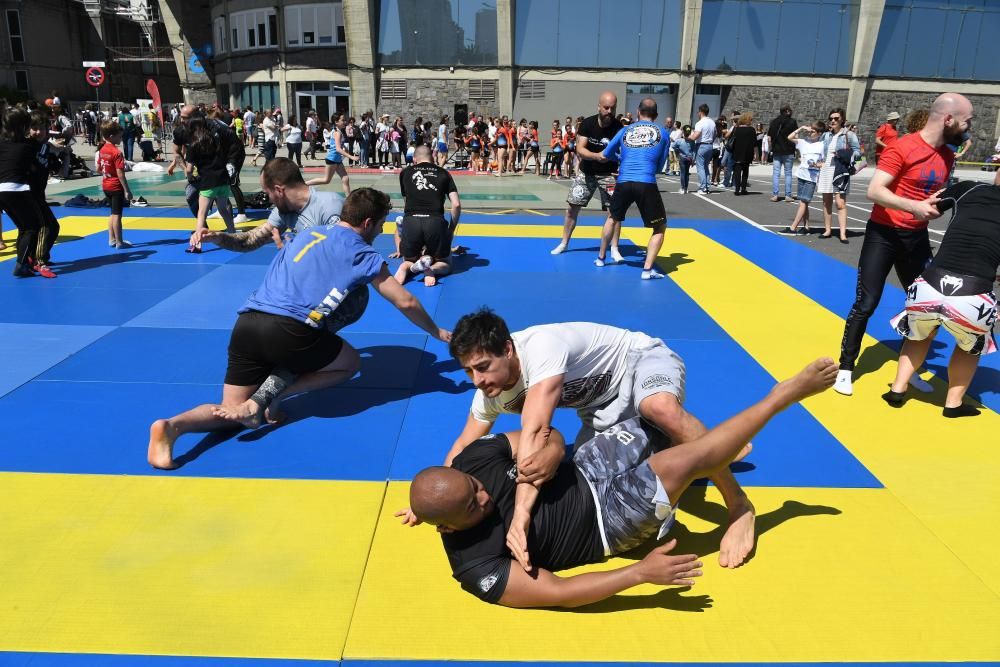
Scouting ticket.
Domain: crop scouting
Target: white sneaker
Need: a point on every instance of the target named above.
(843, 383)
(652, 274)
(682, 192)
(615, 255)
(920, 384)
(214, 214)
(240, 219)
(558, 250)
(598, 262)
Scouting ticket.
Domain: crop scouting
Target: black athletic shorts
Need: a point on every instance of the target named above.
(262, 342)
(419, 232)
(645, 195)
(117, 199)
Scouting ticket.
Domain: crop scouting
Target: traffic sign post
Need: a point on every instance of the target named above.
(95, 77)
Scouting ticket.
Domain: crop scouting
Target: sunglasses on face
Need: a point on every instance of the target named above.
(836, 118)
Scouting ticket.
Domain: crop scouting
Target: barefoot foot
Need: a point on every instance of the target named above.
(747, 448)
(160, 453)
(430, 280)
(402, 273)
(738, 541)
(248, 413)
(813, 379)
(275, 416)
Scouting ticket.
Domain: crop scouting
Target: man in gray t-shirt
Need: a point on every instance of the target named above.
(301, 207)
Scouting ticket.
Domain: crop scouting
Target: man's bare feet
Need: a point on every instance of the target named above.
(745, 452)
(402, 273)
(160, 453)
(738, 541)
(813, 379)
(430, 280)
(247, 413)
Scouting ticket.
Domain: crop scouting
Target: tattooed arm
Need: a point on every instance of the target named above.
(240, 241)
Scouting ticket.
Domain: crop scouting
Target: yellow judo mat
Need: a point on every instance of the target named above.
(103, 560)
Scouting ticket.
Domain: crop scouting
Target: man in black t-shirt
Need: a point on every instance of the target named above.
(593, 135)
(424, 236)
(783, 151)
(504, 536)
(956, 292)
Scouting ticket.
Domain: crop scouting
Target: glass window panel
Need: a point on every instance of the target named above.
(987, 63)
(272, 29)
(961, 62)
(251, 38)
(236, 40)
(14, 22)
(835, 38)
(923, 42)
(573, 18)
(21, 80)
(717, 42)
(536, 31)
(801, 23)
(17, 49)
(293, 26)
(617, 28)
(757, 46)
(338, 19)
(891, 44)
(667, 47)
(324, 23)
(438, 32)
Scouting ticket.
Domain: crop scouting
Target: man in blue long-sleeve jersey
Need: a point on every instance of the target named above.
(643, 146)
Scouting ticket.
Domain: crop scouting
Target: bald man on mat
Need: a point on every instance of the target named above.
(617, 492)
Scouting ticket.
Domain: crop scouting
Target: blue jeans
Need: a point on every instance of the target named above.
(727, 164)
(787, 161)
(128, 139)
(685, 173)
(703, 161)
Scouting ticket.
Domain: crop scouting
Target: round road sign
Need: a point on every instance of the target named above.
(95, 76)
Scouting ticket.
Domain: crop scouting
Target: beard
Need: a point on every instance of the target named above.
(954, 135)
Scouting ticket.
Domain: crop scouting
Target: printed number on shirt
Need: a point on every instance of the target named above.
(318, 237)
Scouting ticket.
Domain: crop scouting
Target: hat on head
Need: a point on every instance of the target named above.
(892, 116)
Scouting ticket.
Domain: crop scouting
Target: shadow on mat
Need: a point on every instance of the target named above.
(464, 262)
(668, 598)
(90, 263)
(340, 401)
(874, 357)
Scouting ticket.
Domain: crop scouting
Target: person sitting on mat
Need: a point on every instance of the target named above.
(614, 495)
(285, 340)
(607, 374)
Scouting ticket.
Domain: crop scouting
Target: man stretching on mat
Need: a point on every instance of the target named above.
(607, 374)
(296, 207)
(287, 327)
(614, 495)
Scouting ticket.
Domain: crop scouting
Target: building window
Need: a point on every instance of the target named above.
(21, 81)
(219, 34)
(16, 38)
(531, 90)
(258, 95)
(483, 90)
(755, 36)
(254, 29)
(315, 25)
(619, 34)
(392, 89)
(457, 32)
(939, 40)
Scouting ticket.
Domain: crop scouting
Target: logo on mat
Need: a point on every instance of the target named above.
(487, 582)
(656, 381)
(949, 285)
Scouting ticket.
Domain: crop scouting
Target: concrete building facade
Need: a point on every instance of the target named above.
(546, 59)
(43, 44)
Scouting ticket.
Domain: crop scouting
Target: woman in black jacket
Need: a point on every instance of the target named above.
(744, 140)
(17, 168)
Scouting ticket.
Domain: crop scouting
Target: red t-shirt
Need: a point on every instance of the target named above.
(888, 134)
(918, 170)
(109, 161)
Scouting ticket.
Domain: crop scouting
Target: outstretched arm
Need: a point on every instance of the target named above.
(542, 588)
(474, 430)
(407, 304)
(241, 241)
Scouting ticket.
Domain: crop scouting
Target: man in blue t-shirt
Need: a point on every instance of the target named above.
(296, 207)
(284, 341)
(643, 146)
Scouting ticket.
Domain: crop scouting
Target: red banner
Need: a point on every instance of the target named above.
(154, 94)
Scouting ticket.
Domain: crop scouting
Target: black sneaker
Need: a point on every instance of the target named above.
(788, 230)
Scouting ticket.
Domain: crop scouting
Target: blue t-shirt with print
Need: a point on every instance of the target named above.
(643, 147)
(314, 274)
(323, 208)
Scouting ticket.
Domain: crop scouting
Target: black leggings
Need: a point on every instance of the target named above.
(295, 152)
(884, 248)
(22, 207)
(741, 172)
(48, 232)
